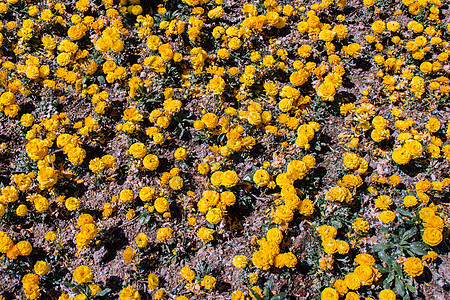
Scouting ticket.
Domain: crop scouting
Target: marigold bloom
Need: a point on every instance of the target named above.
(83, 274)
(413, 266)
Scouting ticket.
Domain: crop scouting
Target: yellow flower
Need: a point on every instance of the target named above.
(413, 266)
(129, 293)
(414, 148)
(360, 225)
(387, 294)
(96, 165)
(234, 43)
(240, 261)
(161, 205)
(351, 161)
(82, 274)
(203, 168)
(326, 91)
(77, 31)
(410, 201)
(131, 213)
(187, 273)
(433, 125)
(153, 42)
(229, 179)
(214, 216)
(76, 155)
(275, 235)
(9, 194)
(126, 195)
(329, 246)
(128, 255)
(21, 210)
(176, 183)
(208, 282)
(142, 240)
(151, 162)
(146, 193)
(63, 59)
(160, 294)
(41, 268)
(340, 194)
(138, 150)
(329, 294)
(216, 12)
(85, 219)
(153, 281)
(261, 177)
(30, 284)
(432, 236)
(89, 231)
(387, 216)
(327, 232)
(283, 215)
(299, 77)
(166, 52)
(288, 260)
(27, 120)
(228, 198)
(352, 281)
(40, 203)
(383, 202)
(205, 234)
(401, 155)
(342, 247)
(50, 236)
(378, 26)
(164, 233)
(94, 289)
(365, 259)
(36, 149)
(217, 85)
(72, 203)
(365, 274)
(430, 256)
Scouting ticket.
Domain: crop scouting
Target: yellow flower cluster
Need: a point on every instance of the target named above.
(269, 252)
(211, 112)
(434, 225)
(30, 284)
(12, 250)
(329, 243)
(88, 230)
(214, 204)
(363, 275)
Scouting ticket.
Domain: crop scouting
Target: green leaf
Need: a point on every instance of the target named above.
(409, 234)
(411, 289)
(381, 247)
(144, 217)
(336, 224)
(101, 79)
(390, 278)
(386, 258)
(279, 296)
(255, 294)
(418, 248)
(103, 292)
(381, 269)
(268, 288)
(397, 267)
(68, 284)
(399, 287)
(404, 212)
